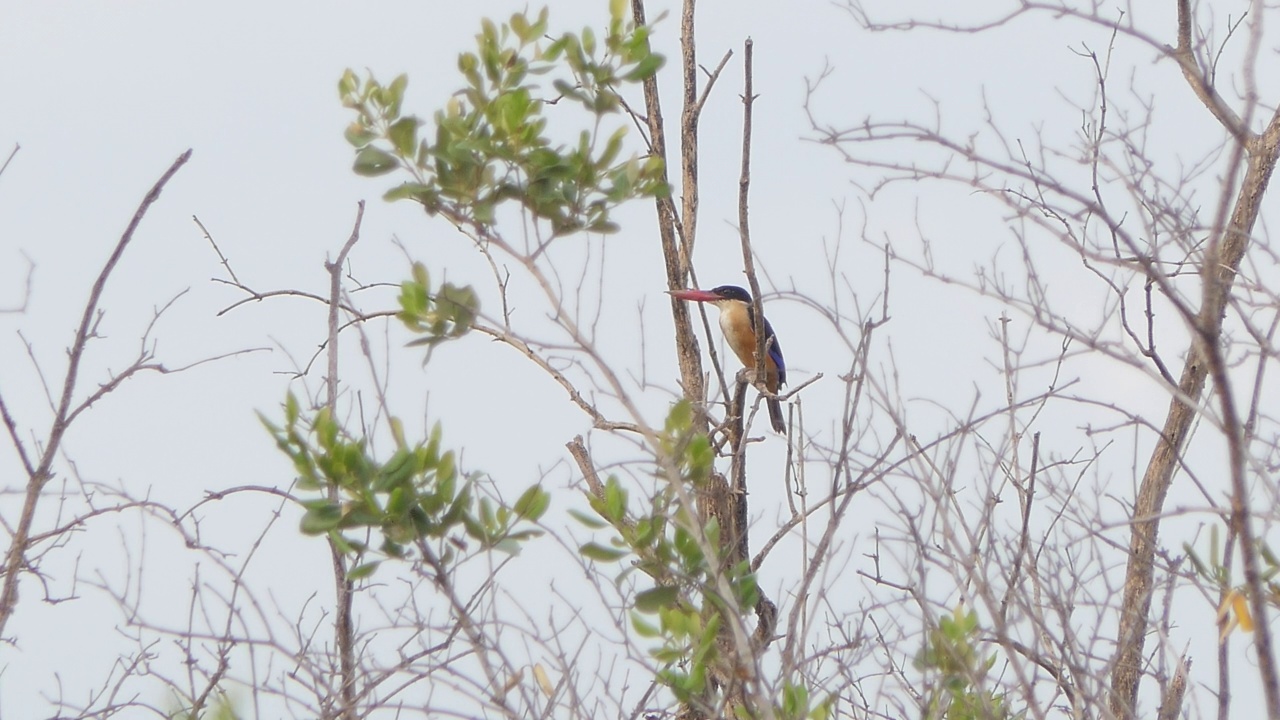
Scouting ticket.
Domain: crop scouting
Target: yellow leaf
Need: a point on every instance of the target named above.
(1233, 613)
(1224, 610)
(544, 682)
(1242, 612)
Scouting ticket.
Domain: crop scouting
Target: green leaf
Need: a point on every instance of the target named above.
(645, 68)
(1195, 560)
(359, 135)
(552, 52)
(345, 546)
(588, 520)
(433, 446)
(395, 94)
(399, 501)
(413, 299)
(521, 27)
(1268, 556)
(347, 84)
(612, 147)
(533, 503)
(445, 468)
(679, 418)
(645, 533)
(291, 409)
(326, 429)
(321, 519)
(403, 134)
(654, 599)
(509, 545)
(457, 511)
(712, 531)
(680, 622)
(371, 162)
(795, 700)
(460, 305)
(615, 500)
(363, 571)
(600, 553)
(644, 628)
(420, 275)
(701, 457)
(824, 709)
(366, 514)
(396, 471)
(427, 195)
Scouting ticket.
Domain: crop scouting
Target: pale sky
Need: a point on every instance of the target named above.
(102, 97)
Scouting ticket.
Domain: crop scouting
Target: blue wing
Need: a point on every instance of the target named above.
(774, 348)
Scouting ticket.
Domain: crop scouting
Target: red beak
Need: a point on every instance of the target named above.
(695, 295)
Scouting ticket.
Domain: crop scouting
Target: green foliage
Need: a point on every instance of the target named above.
(447, 315)
(954, 672)
(1233, 612)
(692, 451)
(681, 607)
(417, 495)
(797, 704)
(1212, 570)
(489, 144)
(223, 709)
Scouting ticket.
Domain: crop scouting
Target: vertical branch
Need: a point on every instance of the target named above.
(1024, 536)
(744, 227)
(738, 444)
(1223, 690)
(1233, 426)
(735, 434)
(676, 258)
(1219, 276)
(344, 625)
(689, 132)
(1227, 245)
(15, 558)
(1171, 705)
(743, 693)
(5, 166)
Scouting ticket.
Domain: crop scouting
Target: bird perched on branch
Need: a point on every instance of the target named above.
(738, 323)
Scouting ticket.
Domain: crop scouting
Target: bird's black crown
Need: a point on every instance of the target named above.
(732, 292)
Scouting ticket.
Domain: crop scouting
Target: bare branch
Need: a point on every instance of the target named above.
(344, 587)
(37, 477)
(221, 258)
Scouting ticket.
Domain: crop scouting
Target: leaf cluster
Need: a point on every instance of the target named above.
(445, 315)
(683, 608)
(417, 495)
(798, 704)
(1233, 612)
(955, 672)
(489, 145)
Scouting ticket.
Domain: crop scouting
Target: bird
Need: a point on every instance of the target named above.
(738, 323)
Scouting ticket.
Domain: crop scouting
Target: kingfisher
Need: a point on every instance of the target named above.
(738, 323)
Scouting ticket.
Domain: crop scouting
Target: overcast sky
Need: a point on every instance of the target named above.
(102, 97)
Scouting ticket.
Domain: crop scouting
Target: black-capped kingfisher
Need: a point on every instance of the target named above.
(738, 323)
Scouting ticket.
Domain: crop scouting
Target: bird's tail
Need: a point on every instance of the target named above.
(775, 416)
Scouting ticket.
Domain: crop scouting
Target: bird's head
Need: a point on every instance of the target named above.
(719, 296)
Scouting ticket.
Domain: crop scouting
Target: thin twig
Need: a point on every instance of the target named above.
(221, 258)
(344, 624)
(5, 166)
(711, 81)
(15, 558)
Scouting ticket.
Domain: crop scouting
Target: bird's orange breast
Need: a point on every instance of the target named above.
(735, 323)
